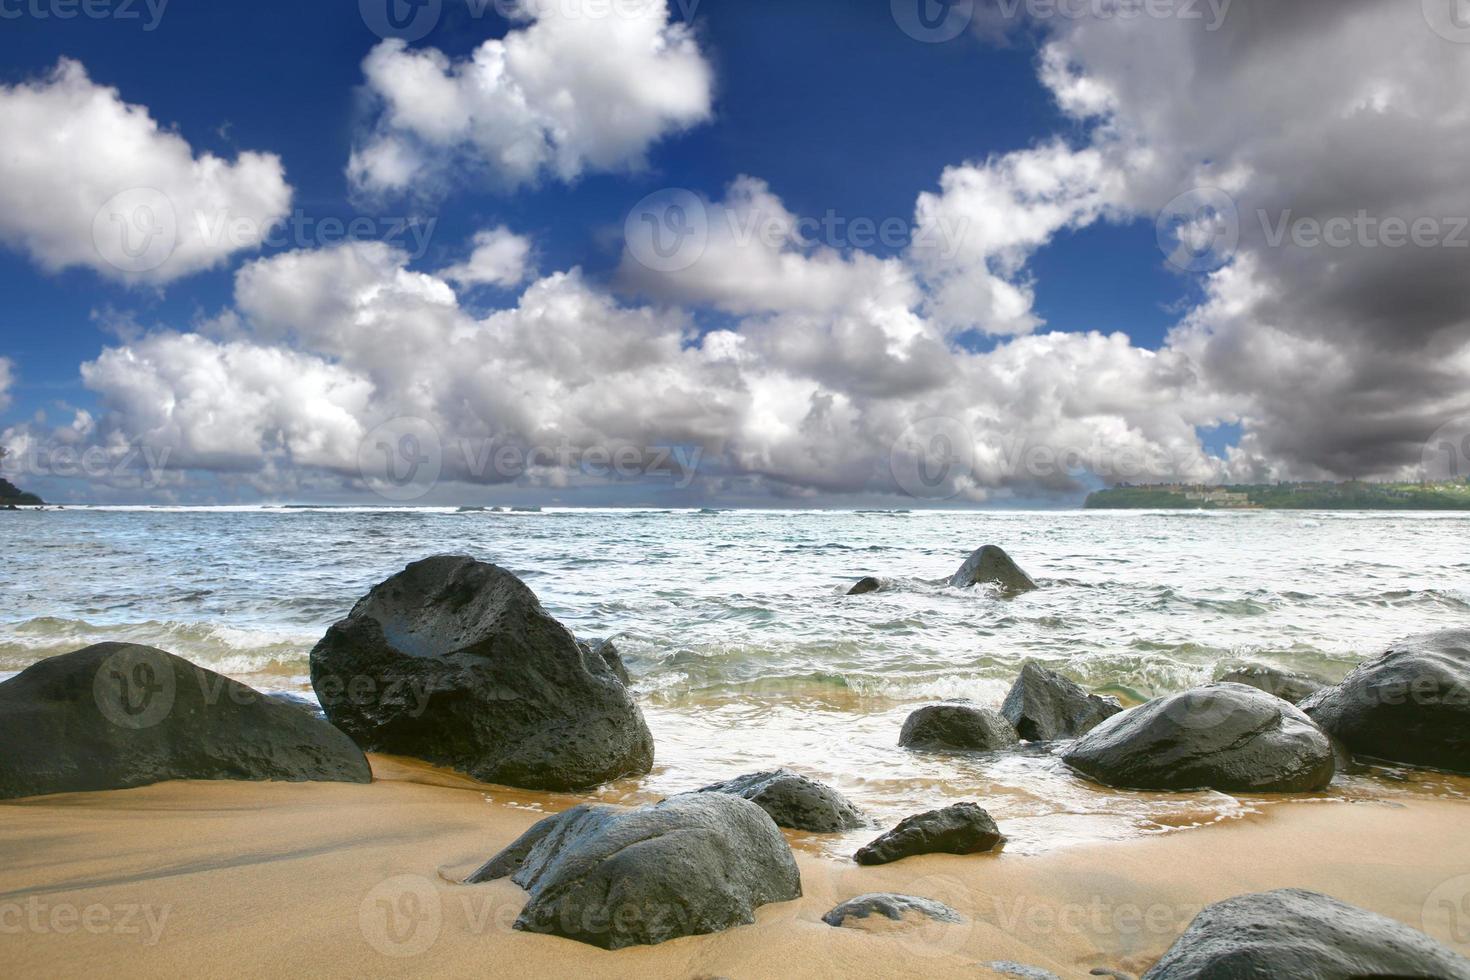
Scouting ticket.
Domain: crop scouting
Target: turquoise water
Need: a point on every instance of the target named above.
(744, 650)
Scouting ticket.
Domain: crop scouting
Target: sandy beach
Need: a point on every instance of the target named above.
(338, 880)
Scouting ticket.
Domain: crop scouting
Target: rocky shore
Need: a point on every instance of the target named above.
(454, 663)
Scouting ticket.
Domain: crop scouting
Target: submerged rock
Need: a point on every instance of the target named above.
(118, 715)
(609, 877)
(960, 829)
(900, 910)
(1410, 705)
(1286, 686)
(957, 726)
(1225, 737)
(1297, 933)
(865, 586)
(992, 565)
(610, 656)
(1044, 706)
(794, 801)
(454, 661)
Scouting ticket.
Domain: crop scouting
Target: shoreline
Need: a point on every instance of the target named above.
(344, 880)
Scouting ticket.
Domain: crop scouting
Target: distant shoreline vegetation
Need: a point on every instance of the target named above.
(1454, 495)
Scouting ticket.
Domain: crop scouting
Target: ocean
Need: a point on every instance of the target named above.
(745, 652)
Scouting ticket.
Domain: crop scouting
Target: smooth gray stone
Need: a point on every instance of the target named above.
(896, 908)
(865, 586)
(992, 565)
(957, 726)
(1044, 706)
(118, 715)
(693, 864)
(794, 801)
(960, 829)
(1286, 686)
(1225, 737)
(1297, 933)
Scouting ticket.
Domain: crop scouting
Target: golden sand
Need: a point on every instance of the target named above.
(333, 880)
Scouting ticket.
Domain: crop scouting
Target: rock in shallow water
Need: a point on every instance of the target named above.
(454, 661)
(957, 726)
(1410, 705)
(1297, 933)
(1226, 737)
(1286, 686)
(865, 586)
(117, 715)
(1044, 706)
(609, 877)
(960, 829)
(902, 910)
(794, 801)
(991, 565)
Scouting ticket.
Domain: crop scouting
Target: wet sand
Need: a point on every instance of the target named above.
(330, 880)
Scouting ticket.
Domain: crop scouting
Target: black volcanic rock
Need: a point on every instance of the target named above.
(1410, 705)
(1286, 686)
(794, 801)
(693, 864)
(454, 661)
(957, 726)
(611, 656)
(118, 715)
(991, 565)
(960, 829)
(864, 586)
(1225, 737)
(1297, 933)
(1044, 706)
(903, 909)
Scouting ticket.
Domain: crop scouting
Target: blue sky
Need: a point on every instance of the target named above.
(830, 105)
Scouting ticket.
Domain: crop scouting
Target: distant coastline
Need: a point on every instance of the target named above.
(1353, 495)
(13, 496)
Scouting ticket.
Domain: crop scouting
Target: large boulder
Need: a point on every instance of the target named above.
(117, 715)
(964, 828)
(693, 864)
(794, 801)
(1226, 737)
(454, 661)
(957, 726)
(1284, 684)
(1297, 933)
(1410, 705)
(900, 911)
(991, 565)
(1044, 706)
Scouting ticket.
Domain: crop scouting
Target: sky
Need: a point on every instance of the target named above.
(840, 253)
